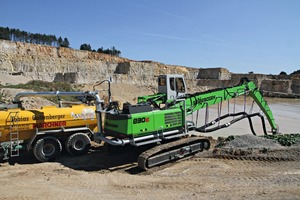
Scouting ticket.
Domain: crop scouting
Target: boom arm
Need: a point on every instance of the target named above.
(201, 100)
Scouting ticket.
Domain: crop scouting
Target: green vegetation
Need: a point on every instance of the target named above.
(43, 86)
(282, 73)
(282, 139)
(17, 35)
(296, 72)
(293, 73)
(86, 47)
(112, 51)
(40, 86)
(285, 139)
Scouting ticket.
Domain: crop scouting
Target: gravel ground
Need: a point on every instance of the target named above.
(250, 146)
(225, 172)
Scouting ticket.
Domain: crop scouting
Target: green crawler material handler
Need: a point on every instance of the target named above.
(160, 117)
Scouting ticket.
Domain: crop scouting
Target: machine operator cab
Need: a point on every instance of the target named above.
(172, 85)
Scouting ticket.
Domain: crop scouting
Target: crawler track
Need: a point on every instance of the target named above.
(172, 151)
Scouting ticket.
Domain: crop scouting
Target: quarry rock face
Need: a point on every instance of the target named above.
(40, 62)
(295, 87)
(214, 73)
(277, 85)
(58, 64)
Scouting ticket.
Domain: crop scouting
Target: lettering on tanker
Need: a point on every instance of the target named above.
(50, 124)
(86, 114)
(48, 117)
(21, 127)
(19, 119)
(37, 117)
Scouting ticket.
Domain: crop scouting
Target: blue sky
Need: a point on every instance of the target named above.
(262, 36)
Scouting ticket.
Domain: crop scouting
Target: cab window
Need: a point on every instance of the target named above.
(161, 81)
(172, 84)
(180, 85)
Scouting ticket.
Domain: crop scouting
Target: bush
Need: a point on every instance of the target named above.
(296, 72)
(43, 86)
(285, 139)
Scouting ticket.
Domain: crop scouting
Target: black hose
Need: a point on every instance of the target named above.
(242, 115)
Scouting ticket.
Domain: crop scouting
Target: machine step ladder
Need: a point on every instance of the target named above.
(13, 122)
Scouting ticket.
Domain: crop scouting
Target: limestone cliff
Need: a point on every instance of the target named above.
(48, 63)
(40, 62)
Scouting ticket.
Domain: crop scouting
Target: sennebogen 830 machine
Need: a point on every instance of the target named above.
(161, 119)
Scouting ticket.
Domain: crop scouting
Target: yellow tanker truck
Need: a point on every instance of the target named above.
(48, 129)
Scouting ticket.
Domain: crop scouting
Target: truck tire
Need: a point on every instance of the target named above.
(47, 149)
(78, 144)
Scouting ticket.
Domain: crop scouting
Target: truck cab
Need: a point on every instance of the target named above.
(173, 85)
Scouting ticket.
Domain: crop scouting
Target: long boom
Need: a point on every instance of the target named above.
(201, 100)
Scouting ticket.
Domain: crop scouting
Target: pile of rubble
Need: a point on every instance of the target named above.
(250, 146)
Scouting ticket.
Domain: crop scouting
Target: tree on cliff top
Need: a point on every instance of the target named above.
(282, 73)
(112, 51)
(296, 72)
(17, 35)
(4, 33)
(86, 47)
(63, 43)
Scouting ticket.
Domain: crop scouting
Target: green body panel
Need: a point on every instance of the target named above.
(117, 125)
(144, 123)
(158, 98)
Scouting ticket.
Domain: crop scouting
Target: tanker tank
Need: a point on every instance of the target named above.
(20, 129)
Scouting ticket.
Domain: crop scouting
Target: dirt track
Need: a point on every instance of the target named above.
(99, 175)
(103, 176)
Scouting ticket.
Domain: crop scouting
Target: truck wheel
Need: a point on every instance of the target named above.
(47, 149)
(78, 144)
